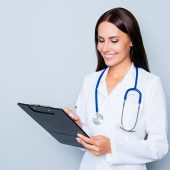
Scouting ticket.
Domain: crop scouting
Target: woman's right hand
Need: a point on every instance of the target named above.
(73, 116)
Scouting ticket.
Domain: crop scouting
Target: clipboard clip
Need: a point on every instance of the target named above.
(42, 109)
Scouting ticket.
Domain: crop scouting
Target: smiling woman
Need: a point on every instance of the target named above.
(121, 103)
(113, 44)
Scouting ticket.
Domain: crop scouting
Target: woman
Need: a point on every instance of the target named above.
(130, 128)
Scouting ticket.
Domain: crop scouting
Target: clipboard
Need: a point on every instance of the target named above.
(55, 121)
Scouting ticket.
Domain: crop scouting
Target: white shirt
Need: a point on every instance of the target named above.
(130, 150)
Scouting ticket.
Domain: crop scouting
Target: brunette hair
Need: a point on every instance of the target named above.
(126, 22)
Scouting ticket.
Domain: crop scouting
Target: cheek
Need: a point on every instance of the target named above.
(117, 47)
(99, 47)
(125, 48)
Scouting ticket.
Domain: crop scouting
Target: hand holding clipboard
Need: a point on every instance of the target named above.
(74, 117)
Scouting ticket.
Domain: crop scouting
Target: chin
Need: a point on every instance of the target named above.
(116, 62)
(109, 64)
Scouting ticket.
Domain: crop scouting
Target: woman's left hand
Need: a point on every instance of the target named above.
(97, 145)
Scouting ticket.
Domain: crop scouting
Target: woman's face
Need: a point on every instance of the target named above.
(113, 44)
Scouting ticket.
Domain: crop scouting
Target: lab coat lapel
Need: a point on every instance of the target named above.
(127, 82)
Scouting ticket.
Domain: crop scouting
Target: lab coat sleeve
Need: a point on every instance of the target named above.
(81, 107)
(155, 147)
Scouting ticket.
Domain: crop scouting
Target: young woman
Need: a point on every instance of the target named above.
(121, 106)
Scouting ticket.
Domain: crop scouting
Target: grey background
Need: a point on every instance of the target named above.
(46, 48)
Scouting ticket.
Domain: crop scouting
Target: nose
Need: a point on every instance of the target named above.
(106, 47)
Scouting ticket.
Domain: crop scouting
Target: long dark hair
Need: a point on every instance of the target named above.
(127, 23)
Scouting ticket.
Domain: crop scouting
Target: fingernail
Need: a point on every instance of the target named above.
(71, 115)
(78, 139)
(78, 135)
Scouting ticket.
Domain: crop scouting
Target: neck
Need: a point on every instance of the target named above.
(119, 70)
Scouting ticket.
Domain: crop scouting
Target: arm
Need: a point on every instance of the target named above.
(156, 145)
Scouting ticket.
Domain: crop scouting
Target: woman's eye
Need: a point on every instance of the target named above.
(101, 41)
(114, 41)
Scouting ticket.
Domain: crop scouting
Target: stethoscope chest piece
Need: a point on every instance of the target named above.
(97, 119)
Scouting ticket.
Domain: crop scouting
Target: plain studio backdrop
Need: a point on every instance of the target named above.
(46, 49)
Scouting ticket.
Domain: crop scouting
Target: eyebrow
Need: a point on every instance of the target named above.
(109, 37)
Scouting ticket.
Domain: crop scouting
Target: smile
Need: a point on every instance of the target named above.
(109, 56)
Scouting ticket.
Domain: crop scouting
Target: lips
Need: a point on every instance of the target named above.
(109, 56)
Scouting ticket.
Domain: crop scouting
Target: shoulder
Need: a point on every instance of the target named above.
(149, 80)
(92, 77)
(90, 80)
(148, 77)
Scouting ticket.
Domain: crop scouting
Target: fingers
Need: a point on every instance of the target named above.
(97, 145)
(87, 144)
(86, 139)
(67, 110)
(70, 113)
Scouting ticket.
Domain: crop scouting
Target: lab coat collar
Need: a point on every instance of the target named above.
(127, 82)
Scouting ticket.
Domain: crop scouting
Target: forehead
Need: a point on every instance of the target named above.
(107, 29)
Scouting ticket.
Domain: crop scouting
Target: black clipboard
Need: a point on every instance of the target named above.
(56, 122)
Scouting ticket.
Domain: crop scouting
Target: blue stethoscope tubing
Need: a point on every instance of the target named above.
(125, 98)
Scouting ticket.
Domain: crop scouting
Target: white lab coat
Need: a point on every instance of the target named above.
(130, 150)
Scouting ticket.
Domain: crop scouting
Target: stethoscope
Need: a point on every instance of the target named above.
(98, 118)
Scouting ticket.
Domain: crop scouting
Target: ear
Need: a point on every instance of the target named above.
(131, 44)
